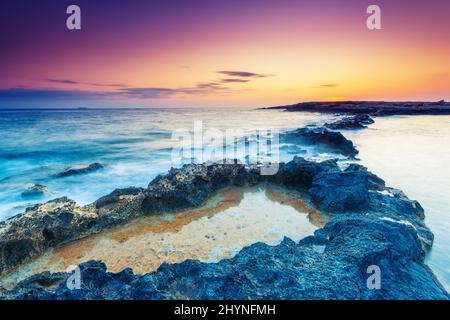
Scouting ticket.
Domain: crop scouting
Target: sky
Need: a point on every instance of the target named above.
(208, 53)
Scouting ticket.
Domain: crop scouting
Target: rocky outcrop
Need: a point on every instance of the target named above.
(83, 170)
(192, 184)
(360, 121)
(332, 264)
(322, 138)
(36, 190)
(367, 228)
(59, 221)
(41, 227)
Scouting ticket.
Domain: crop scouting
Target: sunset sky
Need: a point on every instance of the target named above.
(192, 53)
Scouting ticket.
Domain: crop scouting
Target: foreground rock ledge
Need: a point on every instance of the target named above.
(370, 225)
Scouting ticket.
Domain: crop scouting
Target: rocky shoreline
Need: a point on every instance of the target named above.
(370, 224)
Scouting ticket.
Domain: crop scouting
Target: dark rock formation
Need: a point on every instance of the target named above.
(374, 108)
(192, 184)
(323, 138)
(41, 227)
(336, 192)
(84, 170)
(360, 121)
(332, 264)
(36, 190)
(370, 225)
(299, 173)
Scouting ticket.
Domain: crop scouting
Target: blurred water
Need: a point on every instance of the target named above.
(134, 144)
(413, 154)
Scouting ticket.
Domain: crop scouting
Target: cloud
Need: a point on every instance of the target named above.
(24, 94)
(64, 81)
(95, 84)
(107, 84)
(234, 80)
(146, 93)
(327, 85)
(243, 74)
(117, 91)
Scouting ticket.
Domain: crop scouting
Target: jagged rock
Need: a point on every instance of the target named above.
(323, 138)
(360, 121)
(375, 182)
(351, 243)
(41, 227)
(299, 173)
(36, 190)
(193, 184)
(84, 170)
(370, 225)
(337, 191)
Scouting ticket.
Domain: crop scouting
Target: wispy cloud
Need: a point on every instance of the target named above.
(327, 85)
(114, 91)
(44, 94)
(63, 81)
(235, 80)
(73, 82)
(30, 94)
(243, 74)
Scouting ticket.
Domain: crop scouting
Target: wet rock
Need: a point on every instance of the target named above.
(36, 190)
(77, 171)
(337, 192)
(286, 271)
(299, 173)
(120, 206)
(41, 227)
(323, 138)
(375, 182)
(360, 121)
(191, 185)
(369, 225)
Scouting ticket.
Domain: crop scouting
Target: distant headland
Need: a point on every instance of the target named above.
(373, 108)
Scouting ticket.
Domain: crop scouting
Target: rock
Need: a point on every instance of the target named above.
(337, 192)
(36, 190)
(323, 138)
(286, 271)
(192, 184)
(360, 121)
(375, 183)
(42, 227)
(84, 170)
(299, 173)
(369, 225)
(121, 206)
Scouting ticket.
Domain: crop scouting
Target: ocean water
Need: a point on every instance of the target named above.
(135, 145)
(412, 153)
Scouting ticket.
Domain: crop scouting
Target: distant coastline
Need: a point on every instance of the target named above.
(372, 108)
